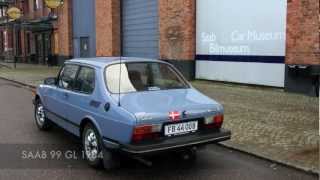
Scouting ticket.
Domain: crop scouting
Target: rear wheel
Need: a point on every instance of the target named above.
(97, 155)
(43, 123)
(92, 146)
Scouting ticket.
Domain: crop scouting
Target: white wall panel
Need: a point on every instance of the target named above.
(241, 41)
(242, 72)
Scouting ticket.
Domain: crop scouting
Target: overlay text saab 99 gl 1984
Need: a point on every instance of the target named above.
(130, 105)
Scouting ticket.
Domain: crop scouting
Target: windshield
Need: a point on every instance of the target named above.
(143, 76)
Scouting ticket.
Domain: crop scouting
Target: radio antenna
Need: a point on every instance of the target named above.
(120, 73)
(120, 68)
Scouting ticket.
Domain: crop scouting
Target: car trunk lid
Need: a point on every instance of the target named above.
(155, 106)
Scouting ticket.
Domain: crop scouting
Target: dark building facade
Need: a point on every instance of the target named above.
(40, 36)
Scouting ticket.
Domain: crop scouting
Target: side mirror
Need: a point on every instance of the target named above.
(50, 81)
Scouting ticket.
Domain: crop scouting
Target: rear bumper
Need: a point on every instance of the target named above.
(172, 143)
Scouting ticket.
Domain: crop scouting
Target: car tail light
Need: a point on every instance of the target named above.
(146, 132)
(214, 121)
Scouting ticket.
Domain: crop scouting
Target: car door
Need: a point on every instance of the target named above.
(59, 98)
(81, 100)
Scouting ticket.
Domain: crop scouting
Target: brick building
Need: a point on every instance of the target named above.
(169, 30)
(303, 46)
(38, 35)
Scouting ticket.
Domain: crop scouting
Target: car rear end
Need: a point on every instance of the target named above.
(170, 113)
(177, 134)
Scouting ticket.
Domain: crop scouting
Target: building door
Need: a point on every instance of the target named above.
(43, 47)
(39, 49)
(84, 47)
(1, 44)
(18, 48)
(47, 46)
(84, 28)
(140, 28)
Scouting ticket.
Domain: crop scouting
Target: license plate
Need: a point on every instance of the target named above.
(180, 128)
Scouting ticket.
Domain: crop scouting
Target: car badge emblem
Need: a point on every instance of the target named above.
(174, 115)
(184, 114)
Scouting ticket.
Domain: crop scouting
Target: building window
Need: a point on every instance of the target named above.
(36, 4)
(3, 11)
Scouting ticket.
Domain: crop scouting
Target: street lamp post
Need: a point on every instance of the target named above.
(52, 5)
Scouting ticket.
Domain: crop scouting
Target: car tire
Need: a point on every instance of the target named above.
(107, 159)
(42, 122)
(92, 147)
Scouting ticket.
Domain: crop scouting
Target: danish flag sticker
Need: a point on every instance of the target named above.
(174, 116)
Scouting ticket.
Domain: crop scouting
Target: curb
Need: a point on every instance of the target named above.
(285, 164)
(20, 83)
(282, 163)
(6, 66)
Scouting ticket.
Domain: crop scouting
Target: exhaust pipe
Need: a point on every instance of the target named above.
(189, 154)
(143, 161)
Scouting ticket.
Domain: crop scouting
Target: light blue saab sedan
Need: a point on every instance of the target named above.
(131, 106)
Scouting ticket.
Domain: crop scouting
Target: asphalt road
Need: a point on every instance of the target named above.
(20, 141)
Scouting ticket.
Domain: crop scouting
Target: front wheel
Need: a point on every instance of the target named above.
(43, 123)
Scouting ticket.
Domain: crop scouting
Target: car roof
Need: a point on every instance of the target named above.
(104, 61)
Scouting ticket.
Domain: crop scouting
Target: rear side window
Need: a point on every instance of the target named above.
(67, 76)
(85, 81)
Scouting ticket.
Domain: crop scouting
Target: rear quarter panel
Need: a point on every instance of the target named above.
(116, 123)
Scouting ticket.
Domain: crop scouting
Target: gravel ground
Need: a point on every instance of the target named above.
(269, 122)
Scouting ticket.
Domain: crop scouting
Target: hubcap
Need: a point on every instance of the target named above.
(40, 115)
(91, 145)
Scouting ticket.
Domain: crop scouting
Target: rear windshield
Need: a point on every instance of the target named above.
(143, 76)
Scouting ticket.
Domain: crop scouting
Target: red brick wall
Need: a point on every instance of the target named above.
(177, 29)
(62, 35)
(31, 13)
(303, 28)
(9, 39)
(176, 24)
(108, 27)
